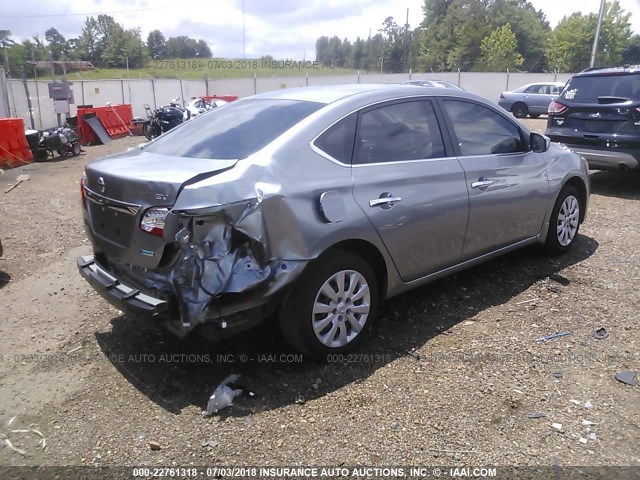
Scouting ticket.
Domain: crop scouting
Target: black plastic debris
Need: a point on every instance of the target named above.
(600, 334)
(628, 378)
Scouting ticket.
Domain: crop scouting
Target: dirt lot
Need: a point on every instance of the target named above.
(100, 387)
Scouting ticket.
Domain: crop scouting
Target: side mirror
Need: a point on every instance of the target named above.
(539, 143)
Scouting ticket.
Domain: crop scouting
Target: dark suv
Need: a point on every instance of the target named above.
(598, 116)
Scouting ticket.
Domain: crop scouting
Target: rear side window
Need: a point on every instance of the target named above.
(588, 89)
(234, 131)
(537, 89)
(481, 131)
(398, 132)
(337, 141)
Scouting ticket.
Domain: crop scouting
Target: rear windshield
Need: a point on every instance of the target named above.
(233, 131)
(588, 89)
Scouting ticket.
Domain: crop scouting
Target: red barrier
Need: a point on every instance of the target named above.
(116, 120)
(227, 98)
(14, 149)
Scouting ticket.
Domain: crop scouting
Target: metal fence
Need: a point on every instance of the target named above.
(156, 92)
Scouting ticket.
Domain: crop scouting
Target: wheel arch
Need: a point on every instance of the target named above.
(579, 185)
(370, 254)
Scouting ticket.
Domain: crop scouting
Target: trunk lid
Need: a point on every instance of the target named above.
(148, 179)
(120, 189)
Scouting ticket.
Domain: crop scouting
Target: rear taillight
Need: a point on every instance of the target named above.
(556, 108)
(153, 221)
(82, 194)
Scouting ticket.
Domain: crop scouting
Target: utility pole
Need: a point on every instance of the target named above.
(595, 40)
(26, 91)
(6, 62)
(244, 53)
(406, 43)
(35, 80)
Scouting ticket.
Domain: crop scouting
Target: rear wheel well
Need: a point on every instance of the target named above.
(370, 254)
(582, 190)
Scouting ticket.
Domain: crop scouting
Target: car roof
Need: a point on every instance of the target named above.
(373, 92)
(542, 83)
(624, 69)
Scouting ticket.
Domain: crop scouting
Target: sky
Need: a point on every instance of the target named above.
(284, 29)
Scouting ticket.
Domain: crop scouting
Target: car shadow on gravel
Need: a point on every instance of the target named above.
(176, 374)
(616, 184)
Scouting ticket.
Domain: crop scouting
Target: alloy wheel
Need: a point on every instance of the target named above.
(341, 308)
(568, 219)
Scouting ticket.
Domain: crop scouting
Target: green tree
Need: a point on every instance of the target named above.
(203, 50)
(499, 51)
(569, 45)
(631, 54)
(89, 43)
(57, 42)
(157, 45)
(530, 27)
(124, 46)
(322, 48)
(615, 35)
(181, 47)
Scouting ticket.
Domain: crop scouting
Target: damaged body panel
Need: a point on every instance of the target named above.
(262, 206)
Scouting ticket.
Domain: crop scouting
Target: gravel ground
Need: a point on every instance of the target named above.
(100, 387)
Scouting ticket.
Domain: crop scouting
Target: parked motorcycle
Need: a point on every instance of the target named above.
(163, 119)
(62, 140)
(198, 105)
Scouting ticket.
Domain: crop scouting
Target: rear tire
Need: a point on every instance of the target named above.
(332, 307)
(76, 149)
(151, 130)
(520, 110)
(564, 223)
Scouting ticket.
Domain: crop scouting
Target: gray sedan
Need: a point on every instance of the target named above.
(312, 205)
(532, 99)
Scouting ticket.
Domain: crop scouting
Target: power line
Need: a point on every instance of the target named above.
(86, 14)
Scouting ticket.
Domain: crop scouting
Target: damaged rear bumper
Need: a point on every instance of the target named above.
(121, 296)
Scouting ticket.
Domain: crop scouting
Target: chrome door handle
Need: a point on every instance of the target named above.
(482, 183)
(390, 201)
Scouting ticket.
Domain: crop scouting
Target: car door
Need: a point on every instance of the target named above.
(507, 183)
(414, 195)
(537, 99)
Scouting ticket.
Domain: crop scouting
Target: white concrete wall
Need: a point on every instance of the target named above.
(159, 92)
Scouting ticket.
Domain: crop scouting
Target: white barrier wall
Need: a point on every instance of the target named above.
(156, 92)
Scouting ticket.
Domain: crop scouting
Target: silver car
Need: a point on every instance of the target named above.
(532, 99)
(315, 204)
(433, 83)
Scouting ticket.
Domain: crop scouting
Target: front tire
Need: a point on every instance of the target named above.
(333, 306)
(520, 110)
(564, 223)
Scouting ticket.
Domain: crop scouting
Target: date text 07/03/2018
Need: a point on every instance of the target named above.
(262, 64)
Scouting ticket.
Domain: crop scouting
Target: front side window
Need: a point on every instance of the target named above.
(481, 131)
(535, 89)
(235, 131)
(398, 132)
